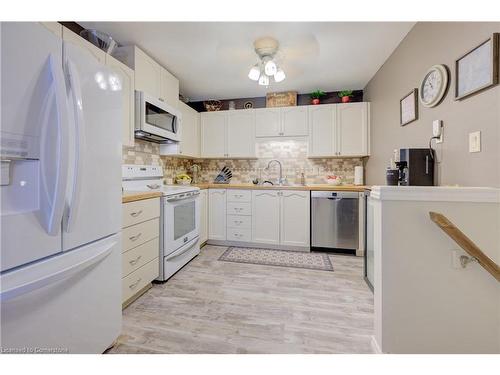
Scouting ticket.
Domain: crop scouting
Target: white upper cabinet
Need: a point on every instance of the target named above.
(267, 122)
(281, 122)
(55, 27)
(213, 134)
(150, 76)
(217, 214)
(189, 145)
(226, 134)
(126, 76)
(241, 134)
(169, 88)
(294, 215)
(266, 216)
(294, 121)
(322, 130)
(353, 129)
(71, 37)
(339, 130)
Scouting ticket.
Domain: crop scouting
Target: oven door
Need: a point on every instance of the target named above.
(157, 118)
(181, 220)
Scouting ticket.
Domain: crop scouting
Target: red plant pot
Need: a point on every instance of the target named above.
(346, 99)
(315, 101)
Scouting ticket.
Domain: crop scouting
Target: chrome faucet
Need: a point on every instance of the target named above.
(281, 180)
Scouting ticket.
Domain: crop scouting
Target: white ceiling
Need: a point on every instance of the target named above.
(212, 59)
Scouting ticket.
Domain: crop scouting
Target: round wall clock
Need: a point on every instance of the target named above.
(434, 86)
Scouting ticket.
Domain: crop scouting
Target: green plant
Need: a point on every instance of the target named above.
(345, 93)
(317, 94)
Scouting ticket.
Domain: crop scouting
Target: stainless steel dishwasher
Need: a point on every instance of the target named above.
(335, 221)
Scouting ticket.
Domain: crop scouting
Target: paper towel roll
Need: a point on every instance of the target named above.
(358, 175)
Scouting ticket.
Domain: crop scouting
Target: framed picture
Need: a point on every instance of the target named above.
(477, 70)
(408, 108)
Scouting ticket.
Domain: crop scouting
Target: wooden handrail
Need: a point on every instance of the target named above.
(466, 243)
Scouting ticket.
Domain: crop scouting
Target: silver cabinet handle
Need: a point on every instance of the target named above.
(133, 262)
(136, 237)
(134, 285)
(135, 214)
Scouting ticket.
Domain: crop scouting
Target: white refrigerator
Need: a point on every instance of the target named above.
(60, 190)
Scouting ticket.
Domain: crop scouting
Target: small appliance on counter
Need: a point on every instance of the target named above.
(358, 175)
(392, 176)
(415, 166)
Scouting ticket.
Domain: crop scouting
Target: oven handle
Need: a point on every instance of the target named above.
(192, 196)
(182, 250)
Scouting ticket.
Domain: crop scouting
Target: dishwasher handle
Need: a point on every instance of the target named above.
(335, 195)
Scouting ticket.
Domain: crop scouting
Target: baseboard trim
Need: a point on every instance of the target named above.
(258, 245)
(374, 345)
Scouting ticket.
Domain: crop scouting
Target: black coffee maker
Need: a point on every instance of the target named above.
(416, 166)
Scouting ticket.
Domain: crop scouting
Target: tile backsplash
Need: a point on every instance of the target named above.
(292, 153)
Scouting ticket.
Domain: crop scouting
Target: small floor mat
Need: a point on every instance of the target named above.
(282, 258)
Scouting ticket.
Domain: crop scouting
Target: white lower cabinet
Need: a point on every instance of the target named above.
(140, 252)
(203, 216)
(281, 217)
(217, 214)
(294, 218)
(266, 216)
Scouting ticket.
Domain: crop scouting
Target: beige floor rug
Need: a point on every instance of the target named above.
(282, 258)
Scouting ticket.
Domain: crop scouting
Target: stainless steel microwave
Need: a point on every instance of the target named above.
(155, 120)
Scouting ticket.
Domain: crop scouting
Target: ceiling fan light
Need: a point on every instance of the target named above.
(270, 68)
(254, 72)
(279, 75)
(264, 80)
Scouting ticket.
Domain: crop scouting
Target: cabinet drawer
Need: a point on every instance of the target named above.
(138, 234)
(239, 195)
(239, 234)
(236, 221)
(139, 211)
(234, 208)
(138, 279)
(139, 256)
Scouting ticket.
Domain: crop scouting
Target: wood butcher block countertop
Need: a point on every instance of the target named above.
(316, 187)
(132, 196)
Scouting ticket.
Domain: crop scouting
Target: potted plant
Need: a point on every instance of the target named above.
(316, 96)
(345, 95)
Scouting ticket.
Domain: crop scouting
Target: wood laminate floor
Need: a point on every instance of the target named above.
(222, 307)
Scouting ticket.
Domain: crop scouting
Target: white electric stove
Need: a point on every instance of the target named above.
(180, 216)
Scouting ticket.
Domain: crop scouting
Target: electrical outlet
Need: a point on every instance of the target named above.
(475, 142)
(437, 130)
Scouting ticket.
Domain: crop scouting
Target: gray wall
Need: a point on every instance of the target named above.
(425, 45)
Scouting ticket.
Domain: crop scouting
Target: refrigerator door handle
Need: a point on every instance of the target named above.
(79, 121)
(53, 277)
(53, 194)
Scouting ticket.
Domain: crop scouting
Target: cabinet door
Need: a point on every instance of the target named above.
(126, 76)
(266, 216)
(169, 88)
(294, 121)
(267, 122)
(241, 134)
(70, 36)
(203, 216)
(294, 215)
(322, 130)
(353, 129)
(213, 134)
(190, 135)
(217, 214)
(54, 27)
(147, 74)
